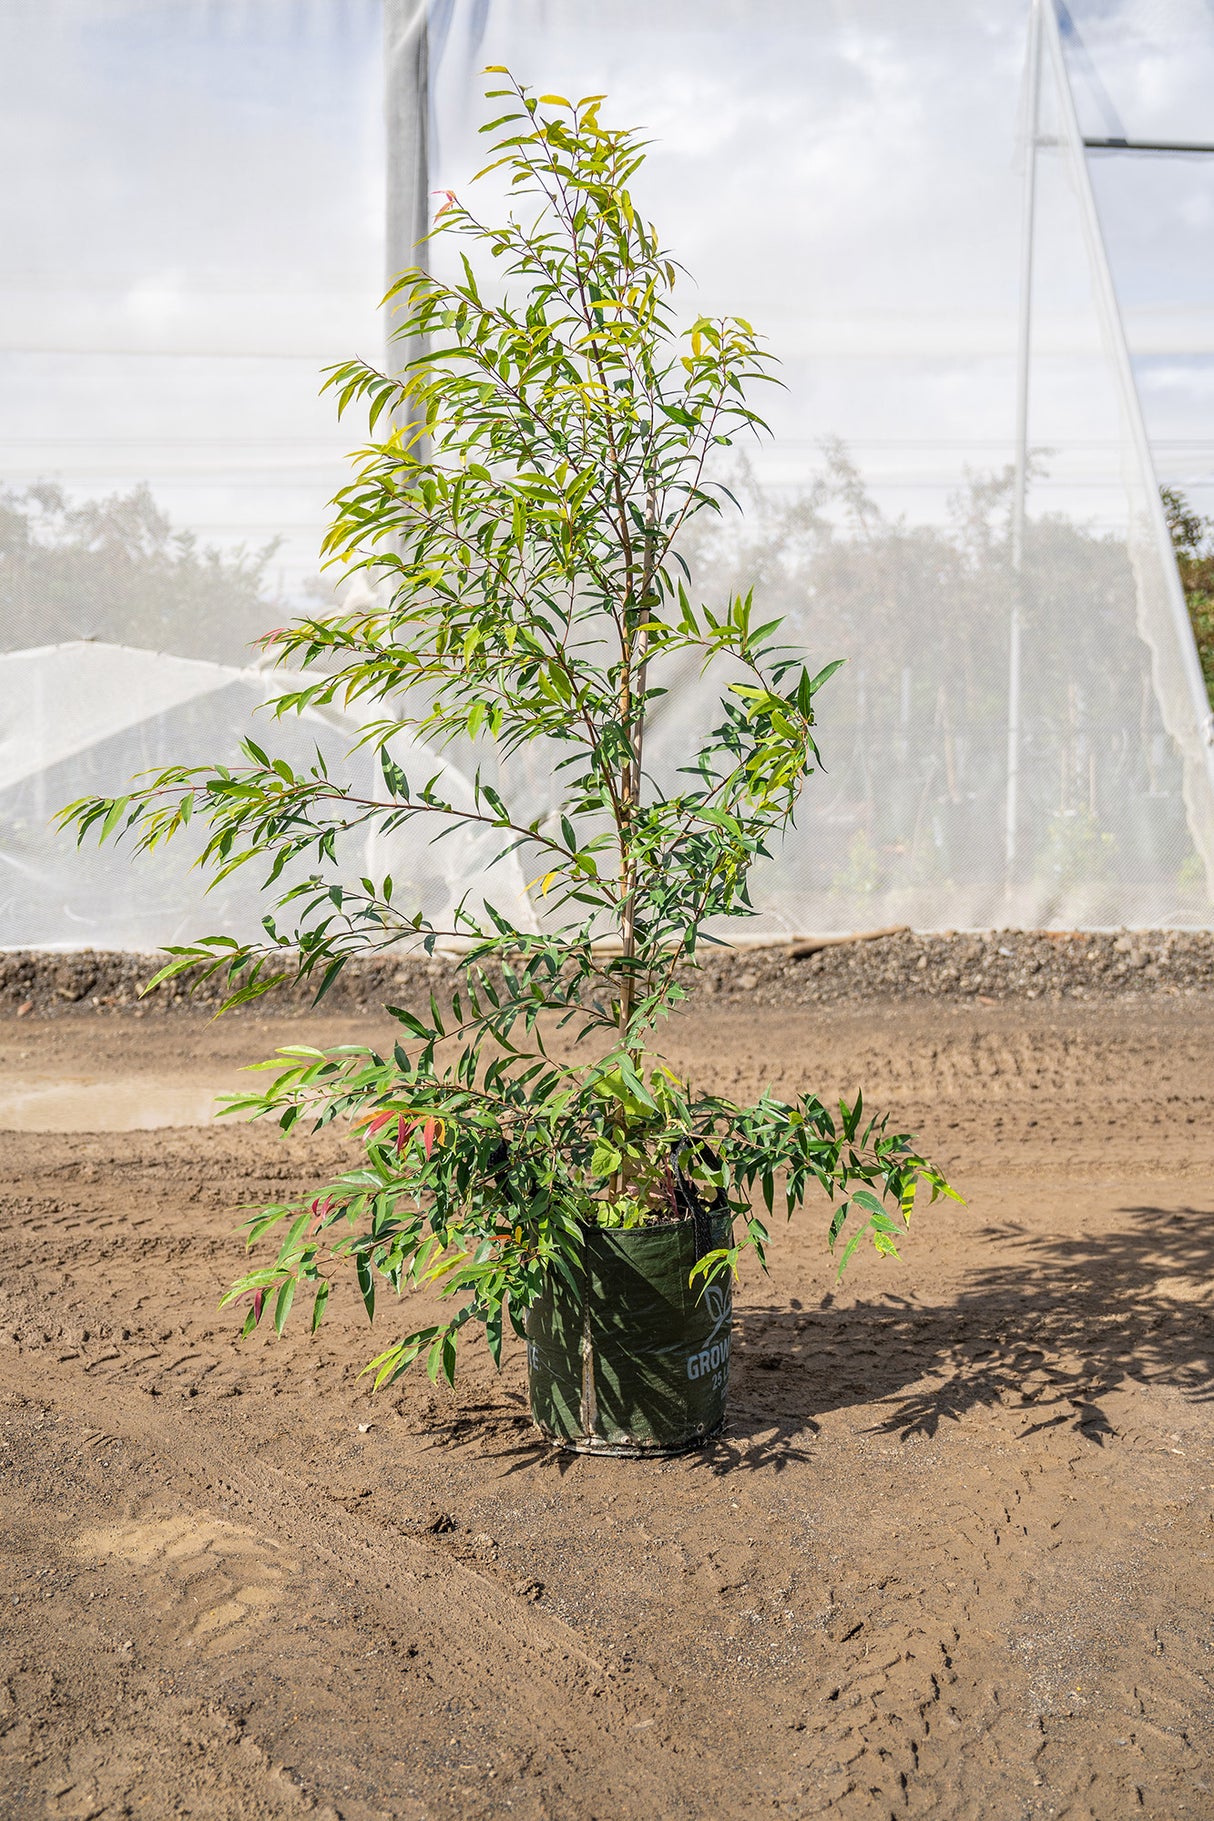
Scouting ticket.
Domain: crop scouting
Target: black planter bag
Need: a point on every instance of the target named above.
(636, 1359)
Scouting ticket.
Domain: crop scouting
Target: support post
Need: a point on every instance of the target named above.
(1020, 476)
(407, 123)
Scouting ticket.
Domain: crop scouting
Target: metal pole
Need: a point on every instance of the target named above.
(1182, 148)
(1020, 479)
(407, 122)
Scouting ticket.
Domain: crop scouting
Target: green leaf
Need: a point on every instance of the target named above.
(282, 1304)
(113, 816)
(411, 1022)
(366, 1283)
(605, 1159)
(825, 674)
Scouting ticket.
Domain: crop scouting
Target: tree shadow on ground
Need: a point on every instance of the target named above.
(1051, 1331)
(772, 1446)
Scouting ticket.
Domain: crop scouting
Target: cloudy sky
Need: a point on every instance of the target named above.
(849, 176)
(196, 227)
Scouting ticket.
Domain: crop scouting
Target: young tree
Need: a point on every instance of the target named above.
(543, 450)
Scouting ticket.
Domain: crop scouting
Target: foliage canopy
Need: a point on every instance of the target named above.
(520, 510)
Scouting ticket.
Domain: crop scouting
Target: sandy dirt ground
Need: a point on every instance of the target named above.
(951, 1559)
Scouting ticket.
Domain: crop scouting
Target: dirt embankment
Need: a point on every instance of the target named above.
(989, 967)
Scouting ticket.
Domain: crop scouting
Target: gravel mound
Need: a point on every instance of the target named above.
(989, 967)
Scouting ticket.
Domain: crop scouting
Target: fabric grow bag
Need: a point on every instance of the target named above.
(635, 1360)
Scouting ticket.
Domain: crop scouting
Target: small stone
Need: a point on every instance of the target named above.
(25, 1008)
(747, 982)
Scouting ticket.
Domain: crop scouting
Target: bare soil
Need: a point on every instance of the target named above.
(951, 1559)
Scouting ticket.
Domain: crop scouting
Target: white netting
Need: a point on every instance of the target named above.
(226, 201)
(79, 716)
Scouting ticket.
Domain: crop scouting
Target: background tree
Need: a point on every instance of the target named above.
(115, 569)
(1193, 542)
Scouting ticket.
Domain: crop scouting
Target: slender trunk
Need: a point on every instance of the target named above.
(638, 655)
(627, 863)
(634, 655)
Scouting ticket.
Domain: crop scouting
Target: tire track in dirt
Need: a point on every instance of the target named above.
(208, 1581)
(895, 1679)
(948, 1563)
(1005, 1646)
(862, 1722)
(460, 1618)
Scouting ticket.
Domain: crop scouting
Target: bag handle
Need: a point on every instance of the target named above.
(687, 1199)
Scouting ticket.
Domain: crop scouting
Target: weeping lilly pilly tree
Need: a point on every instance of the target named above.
(519, 507)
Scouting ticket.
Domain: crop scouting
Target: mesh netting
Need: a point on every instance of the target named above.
(227, 199)
(78, 716)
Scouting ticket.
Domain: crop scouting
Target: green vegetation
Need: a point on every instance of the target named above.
(1193, 542)
(538, 463)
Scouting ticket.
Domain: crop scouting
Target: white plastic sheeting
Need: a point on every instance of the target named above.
(225, 199)
(851, 180)
(76, 717)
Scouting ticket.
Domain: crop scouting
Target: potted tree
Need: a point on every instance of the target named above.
(523, 1149)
